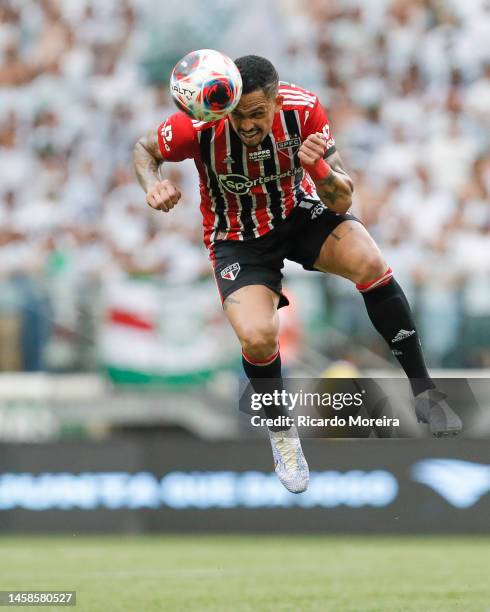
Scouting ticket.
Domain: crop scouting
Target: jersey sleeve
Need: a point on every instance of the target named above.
(317, 121)
(177, 138)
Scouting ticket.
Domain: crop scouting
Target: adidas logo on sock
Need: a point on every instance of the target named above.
(402, 334)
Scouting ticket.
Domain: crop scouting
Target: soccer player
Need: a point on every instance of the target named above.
(273, 187)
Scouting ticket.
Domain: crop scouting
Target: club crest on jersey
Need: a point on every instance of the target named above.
(258, 156)
(292, 142)
(231, 272)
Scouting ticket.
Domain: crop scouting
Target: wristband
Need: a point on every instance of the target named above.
(319, 170)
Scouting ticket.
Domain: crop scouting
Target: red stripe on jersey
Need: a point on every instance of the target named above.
(262, 216)
(259, 200)
(233, 234)
(265, 215)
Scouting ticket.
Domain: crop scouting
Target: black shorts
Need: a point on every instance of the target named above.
(259, 261)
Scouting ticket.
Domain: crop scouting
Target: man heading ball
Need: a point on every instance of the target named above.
(273, 187)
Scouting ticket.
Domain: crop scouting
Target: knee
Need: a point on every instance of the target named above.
(371, 267)
(259, 341)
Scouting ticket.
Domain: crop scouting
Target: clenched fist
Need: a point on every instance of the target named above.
(163, 196)
(312, 149)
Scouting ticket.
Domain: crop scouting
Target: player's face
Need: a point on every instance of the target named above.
(252, 119)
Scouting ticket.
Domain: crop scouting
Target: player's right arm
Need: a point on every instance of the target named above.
(161, 194)
(174, 140)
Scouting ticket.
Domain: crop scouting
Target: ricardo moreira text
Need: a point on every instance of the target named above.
(301, 399)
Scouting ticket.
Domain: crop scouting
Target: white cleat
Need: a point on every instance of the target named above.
(290, 463)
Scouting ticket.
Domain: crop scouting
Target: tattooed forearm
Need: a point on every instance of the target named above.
(336, 189)
(146, 167)
(335, 192)
(147, 161)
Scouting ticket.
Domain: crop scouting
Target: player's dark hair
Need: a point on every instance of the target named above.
(258, 73)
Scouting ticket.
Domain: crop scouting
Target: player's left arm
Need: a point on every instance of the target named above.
(334, 186)
(319, 158)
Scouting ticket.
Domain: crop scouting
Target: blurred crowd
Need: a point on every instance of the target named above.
(407, 87)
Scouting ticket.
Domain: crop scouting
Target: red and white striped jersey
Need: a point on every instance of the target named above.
(248, 191)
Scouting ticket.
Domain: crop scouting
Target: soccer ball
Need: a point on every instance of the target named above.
(206, 85)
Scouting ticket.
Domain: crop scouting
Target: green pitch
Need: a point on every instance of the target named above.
(254, 573)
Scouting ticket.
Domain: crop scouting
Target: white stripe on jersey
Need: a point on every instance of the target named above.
(267, 195)
(288, 101)
(299, 95)
(300, 98)
(291, 157)
(254, 199)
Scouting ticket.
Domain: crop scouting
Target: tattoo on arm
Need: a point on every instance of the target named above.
(336, 189)
(335, 162)
(147, 160)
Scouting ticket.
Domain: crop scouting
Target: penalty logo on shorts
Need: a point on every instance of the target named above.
(231, 272)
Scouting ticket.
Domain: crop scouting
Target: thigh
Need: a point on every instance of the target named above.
(252, 311)
(350, 251)
(313, 224)
(254, 263)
